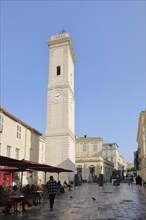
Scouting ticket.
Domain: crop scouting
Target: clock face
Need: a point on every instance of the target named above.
(57, 96)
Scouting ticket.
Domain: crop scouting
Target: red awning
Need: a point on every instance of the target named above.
(1, 178)
(12, 169)
(20, 164)
(27, 165)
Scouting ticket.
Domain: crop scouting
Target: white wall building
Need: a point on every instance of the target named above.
(89, 161)
(60, 124)
(111, 153)
(18, 140)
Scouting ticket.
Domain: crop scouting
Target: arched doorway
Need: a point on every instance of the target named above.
(79, 169)
(92, 173)
(79, 174)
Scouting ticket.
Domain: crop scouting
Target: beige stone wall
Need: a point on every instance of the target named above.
(111, 153)
(90, 143)
(8, 138)
(28, 144)
(90, 157)
(122, 163)
(60, 123)
(141, 140)
(86, 162)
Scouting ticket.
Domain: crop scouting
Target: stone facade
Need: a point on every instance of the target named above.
(60, 123)
(123, 164)
(141, 140)
(110, 152)
(60, 147)
(20, 141)
(89, 161)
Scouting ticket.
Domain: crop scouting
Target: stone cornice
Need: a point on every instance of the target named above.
(88, 139)
(85, 160)
(8, 114)
(62, 38)
(107, 162)
(69, 133)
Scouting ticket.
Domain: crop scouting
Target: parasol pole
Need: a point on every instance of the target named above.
(45, 177)
(21, 181)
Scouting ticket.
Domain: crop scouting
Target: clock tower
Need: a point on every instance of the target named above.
(60, 124)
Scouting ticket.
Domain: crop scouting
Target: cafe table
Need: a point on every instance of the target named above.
(17, 200)
(37, 195)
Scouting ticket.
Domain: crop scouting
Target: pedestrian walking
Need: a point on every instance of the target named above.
(52, 188)
(100, 180)
(132, 179)
(138, 180)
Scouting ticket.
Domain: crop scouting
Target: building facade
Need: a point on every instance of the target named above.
(60, 123)
(123, 164)
(89, 161)
(111, 153)
(60, 147)
(141, 140)
(18, 140)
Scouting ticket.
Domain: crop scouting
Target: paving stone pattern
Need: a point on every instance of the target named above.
(111, 203)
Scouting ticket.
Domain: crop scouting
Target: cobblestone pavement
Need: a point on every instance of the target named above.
(112, 203)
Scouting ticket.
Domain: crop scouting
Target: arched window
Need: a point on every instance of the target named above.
(92, 169)
(79, 169)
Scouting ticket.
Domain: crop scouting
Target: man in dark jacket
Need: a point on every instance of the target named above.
(52, 189)
(138, 180)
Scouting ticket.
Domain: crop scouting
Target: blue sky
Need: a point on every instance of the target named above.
(108, 38)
